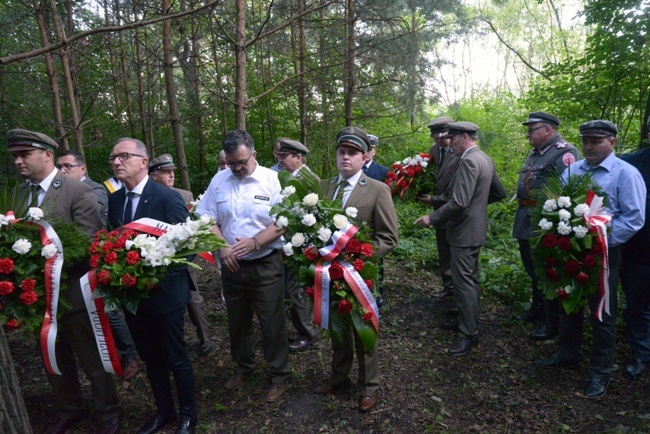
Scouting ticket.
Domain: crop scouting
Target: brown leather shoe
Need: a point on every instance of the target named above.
(109, 426)
(236, 381)
(275, 392)
(367, 403)
(443, 294)
(130, 369)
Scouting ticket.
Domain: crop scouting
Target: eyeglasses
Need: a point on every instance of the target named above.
(241, 162)
(532, 130)
(123, 157)
(67, 166)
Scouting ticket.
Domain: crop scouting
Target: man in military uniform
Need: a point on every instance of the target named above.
(550, 155)
(371, 168)
(161, 170)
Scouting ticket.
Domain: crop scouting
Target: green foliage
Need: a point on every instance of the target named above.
(416, 247)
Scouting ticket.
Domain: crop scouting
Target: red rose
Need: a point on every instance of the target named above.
(395, 166)
(552, 274)
(344, 307)
(598, 249)
(336, 271)
(563, 244)
(369, 283)
(589, 261)
(104, 278)
(582, 278)
(366, 250)
(133, 257)
(309, 291)
(128, 280)
(13, 324)
(549, 241)
(410, 171)
(367, 316)
(28, 284)
(358, 264)
(353, 246)
(111, 258)
(572, 266)
(120, 243)
(418, 169)
(562, 294)
(107, 247)
(100, 234)
(402, 183)
(28, 297)
(6, 265)
(312, 253)
(6, 288)
(550, 261)
(94, 260)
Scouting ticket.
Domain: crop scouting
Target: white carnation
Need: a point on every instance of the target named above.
(49, 251)
(298, 239)
(563, 228)
(406, 161)
(4, 220)
(324, 234)
(581, 209)
(288, 191)
(310, 200)
(568, 289)
(21, 246)
(545, 225)
(351, 212)
(564, 215)
(580, 231)
(281, 222)
(339, 220)
(287, 249)
(564, 202)
(35, 213)
(424, 164)
(309, 220)
(550, 205)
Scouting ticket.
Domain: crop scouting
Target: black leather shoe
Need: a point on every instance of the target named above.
(596, 387)
(463, 345)
(543, 333)
(535, 313)
(554, 362)
(635, 368)
(443, 294)
(109, 426)
(156, 425)
(302, 343)
(186, 425)
(63, 425)
(449, 325)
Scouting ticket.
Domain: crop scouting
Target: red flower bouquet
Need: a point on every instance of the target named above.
(411, 177)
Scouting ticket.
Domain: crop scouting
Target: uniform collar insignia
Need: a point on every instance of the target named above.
(363, 181)
(56, 183)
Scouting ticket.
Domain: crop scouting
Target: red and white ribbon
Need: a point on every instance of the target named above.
(322, 294)
(598, 219)
(361, 292)
(340, 239)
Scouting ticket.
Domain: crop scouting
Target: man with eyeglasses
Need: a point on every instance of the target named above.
(157, 326)
(550, 155)
(240, 199)
(65, 198)
(626, 200)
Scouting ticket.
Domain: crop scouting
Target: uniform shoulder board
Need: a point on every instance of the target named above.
(561, 145)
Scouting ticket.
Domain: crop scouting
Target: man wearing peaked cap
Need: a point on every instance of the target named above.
(463, 127)
(371, 168)
(291, 156)
(549, 156)
(162, 162)
(626, 200)
(69, 200)
(353, 136)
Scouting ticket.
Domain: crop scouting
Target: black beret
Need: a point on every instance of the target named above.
(353, 136)
(546, 118)
(598, 128)
(24, 140)
(162, 162)
(440, 125)
(469, 128)
(292, 146)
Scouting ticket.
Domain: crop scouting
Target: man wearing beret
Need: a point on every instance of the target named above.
(65, 198)
(161, 170)
(375, 206)
(446, 163)
(550, 155)
(371, 168)
(239, 199)
(626, 197)
(474, 185)
(291, 157)
(157, 326)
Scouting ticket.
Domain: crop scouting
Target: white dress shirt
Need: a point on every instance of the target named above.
(135, 200)
(45, 185)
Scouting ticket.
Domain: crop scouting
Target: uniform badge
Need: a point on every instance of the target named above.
(363, 182)
(568, 159)
(264, 198)
(56, 183)
(561, 145)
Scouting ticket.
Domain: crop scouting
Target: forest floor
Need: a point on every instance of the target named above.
(496, 388)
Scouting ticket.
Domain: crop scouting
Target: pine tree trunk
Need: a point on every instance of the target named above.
(13, 415)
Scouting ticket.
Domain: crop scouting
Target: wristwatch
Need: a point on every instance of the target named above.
(257, 243)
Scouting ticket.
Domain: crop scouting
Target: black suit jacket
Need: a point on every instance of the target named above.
(161, 203)
(376, 171)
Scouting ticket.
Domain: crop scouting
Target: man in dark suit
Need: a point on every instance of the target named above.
(161, 170)
(374, 205)
(371, 168)
(157, 326)
(71, 201)
(474, 185)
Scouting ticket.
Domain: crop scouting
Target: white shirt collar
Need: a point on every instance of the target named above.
(140, 187)
(45, 184)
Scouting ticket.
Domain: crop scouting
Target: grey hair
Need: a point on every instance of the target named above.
(139, 145)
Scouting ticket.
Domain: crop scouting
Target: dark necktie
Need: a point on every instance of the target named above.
(128, 210)
(35, 189)
(340, 190)
(442, 156)
(364, 168)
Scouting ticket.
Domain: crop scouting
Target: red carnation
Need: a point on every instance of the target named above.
(29, 297)
(549, 241)
(582, 278)
(104, 277)
(94, 247)
(598, 249)
(13, 324)
(128, 280)
(353, 246)
(28, 285)
(112, 234)
(344, 307)
(369, 283)
(336, 271)
(563, 244)
(94, 260)
(402, 183)
(6, 288)
(367, 316)
(358, 264)
(107, 247)
(552, 274)
(309, 291)
(366, 250)
(572, 266)
(312, 253)
(6, 265)
(589, 261)
(562, 294)
(120, 243)
(111, 258)
(133, 257)
(410, 171)
(100, 234)
(418, 169)
(550, 261)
